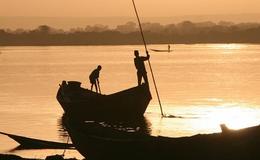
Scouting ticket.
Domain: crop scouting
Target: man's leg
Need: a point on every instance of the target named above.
(96, 87)
(145, 78)
(139, 78)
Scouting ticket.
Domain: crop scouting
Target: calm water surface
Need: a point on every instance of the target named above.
(206, 84)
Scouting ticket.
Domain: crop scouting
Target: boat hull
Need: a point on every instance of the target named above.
(32, 143)
(161, 50)
(234, 145)
(85, 104)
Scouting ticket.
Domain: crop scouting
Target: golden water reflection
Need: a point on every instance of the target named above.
(228, 46)
(235, 116)
(203, 119)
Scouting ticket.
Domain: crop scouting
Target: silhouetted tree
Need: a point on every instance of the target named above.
(184, 32)
(127, 28)
(44, 29)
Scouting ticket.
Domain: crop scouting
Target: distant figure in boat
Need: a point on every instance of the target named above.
(139, 65)
(93, 78)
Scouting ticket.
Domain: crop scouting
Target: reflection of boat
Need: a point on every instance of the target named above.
(33, 143)
(83, 103)
(98, 143)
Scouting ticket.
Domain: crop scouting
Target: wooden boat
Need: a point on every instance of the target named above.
(85, 104)
(32, 143)
(161, 50)
(98, 143)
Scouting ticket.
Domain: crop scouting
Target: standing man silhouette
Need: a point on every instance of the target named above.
(139, 65)
(93, 78)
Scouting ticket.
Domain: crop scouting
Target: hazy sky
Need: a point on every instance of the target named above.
(147, 8)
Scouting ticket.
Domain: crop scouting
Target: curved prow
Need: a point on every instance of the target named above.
(224, 128)
(33, 143)
(6, 134)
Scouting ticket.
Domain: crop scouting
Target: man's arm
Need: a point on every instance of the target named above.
(145, 58)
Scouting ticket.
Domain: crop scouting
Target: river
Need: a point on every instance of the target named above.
(205, 84)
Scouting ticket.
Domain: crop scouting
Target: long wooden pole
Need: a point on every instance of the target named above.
(150, 66)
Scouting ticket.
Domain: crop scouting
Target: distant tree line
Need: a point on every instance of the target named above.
(155, 33)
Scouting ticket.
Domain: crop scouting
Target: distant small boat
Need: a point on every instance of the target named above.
(161, 50)
(98, 143)
(32, 143)
(85, 104)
